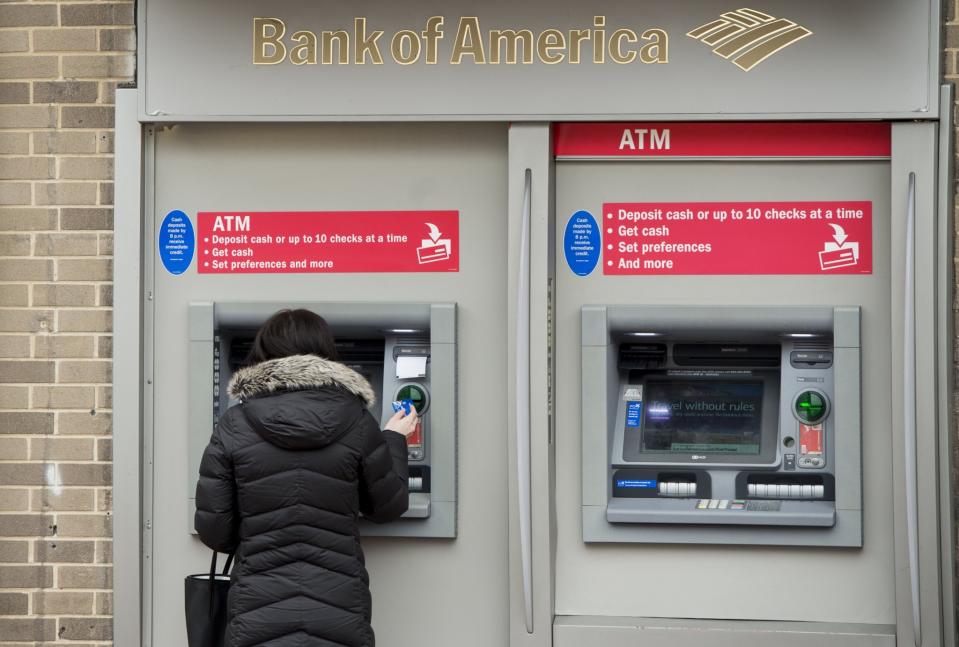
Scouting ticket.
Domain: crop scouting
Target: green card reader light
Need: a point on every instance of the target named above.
(810, 407)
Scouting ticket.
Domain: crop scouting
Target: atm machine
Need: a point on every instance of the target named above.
(746, 427)
(402, 349)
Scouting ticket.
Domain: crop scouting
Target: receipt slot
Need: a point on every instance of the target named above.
(743, 422)
(402, 350)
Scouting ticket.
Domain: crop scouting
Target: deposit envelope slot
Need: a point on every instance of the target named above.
(400, 349)
(726, 425)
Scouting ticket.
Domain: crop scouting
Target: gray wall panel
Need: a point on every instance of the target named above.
(365, 167)
(821, 584)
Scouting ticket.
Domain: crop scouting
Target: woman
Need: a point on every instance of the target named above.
(283, 482)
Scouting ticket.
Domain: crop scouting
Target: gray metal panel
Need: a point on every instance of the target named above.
(847, 533)
(722, 320)
(846, 327)
(443, 323)
(127, 372)
(837, 585)
(200, 400)
(351, 167)
(820, 514)
(945, 282)
(148, 268)
(890, 47)
(340, 314)
(441, 524)
(444, 431)
(530, 149)
(914, 151)
(847, 370)
(595, 329)
(610, 631)
(595, 423)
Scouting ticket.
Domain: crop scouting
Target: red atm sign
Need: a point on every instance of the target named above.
(829, 237)
(679, 140)
(273, 242)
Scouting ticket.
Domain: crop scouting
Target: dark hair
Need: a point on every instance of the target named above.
(293, 332)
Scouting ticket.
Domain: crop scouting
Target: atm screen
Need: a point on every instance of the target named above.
(701, 416)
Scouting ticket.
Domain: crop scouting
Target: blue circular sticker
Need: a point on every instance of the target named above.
(176, 242)
(582, 243)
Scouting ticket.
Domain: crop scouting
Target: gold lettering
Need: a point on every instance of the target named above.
(657, 50)
(616, 46)
(342, 40)
(468, 42)
(305, 52)
(411, 47)
(267, 47)
(599, 39)
(432, 35)
(511, 38)
(364, 44)
(576, 38)
(550, 46)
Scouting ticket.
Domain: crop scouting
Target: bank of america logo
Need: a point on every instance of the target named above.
(747, 37)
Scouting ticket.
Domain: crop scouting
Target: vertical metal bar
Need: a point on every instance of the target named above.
(128, 397)
(909, 409)
(523, 465)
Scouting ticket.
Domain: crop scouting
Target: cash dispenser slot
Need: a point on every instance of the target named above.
(763, 485)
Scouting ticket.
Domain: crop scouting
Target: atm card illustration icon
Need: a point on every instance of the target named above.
(839, 252)
(747, 37)
(435, 248)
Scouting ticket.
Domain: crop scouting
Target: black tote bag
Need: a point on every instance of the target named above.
(205, 597)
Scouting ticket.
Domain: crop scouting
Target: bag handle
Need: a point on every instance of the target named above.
(226, 571)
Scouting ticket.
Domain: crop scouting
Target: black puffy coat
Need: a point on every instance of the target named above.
(283, 482)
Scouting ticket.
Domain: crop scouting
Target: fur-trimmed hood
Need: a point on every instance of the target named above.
(300, 402)
(298, 373)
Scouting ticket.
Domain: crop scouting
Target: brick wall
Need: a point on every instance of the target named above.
(59, 66)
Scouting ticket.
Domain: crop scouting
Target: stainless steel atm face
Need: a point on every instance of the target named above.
(398, 347)
(730, 422)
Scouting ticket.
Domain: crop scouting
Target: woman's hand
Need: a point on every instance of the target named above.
(402, 423)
